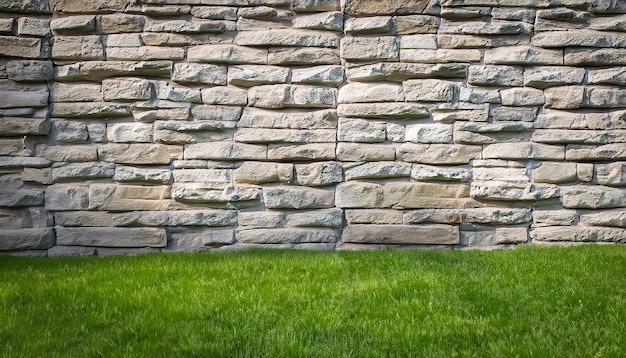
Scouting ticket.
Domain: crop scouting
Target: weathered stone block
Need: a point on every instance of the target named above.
(133, 174)
(359, 195)
(319, 174)
(332, 218)
(29, 70)
(554, 217)
(361, 92)
(60, 197)
(378, 170)
(259, 172)
(371, 25)
(250, 75)
(615, 218)
(426, 195)
(373, 216)
(430, 90)
(605, 97)
(297, 198)
(495, 236)
(608, 76)
(90, 110)
(592, 57)
(361, 130)
(522, 97)
(21, 197)
(495, 76)
(550, 172)
(200, 193)
(429, 133)
(523, 55)
(613, 174)
(98, 70)
(383, 48)
(578, 234)
(357, 152)
(614, 151)
(121, 23)
(440, 154)
(22, 47)
(199, 73)
(260, 118)
(402, 234)
(226, 151)
(139, 153)
(227, 54)
(383, 110)
(26, 239)
(287, 38)
(82, 171)
(78, 48)
(371, 7)
(213, 218)
(261, 219)
(83, 218)
(224, 95)
(144, 53)
(592, 197)
(111, 237)
(289, 56)
(549, 76)
(13, 99)
(428, 172)
(332, 21)
(193, 240)
(131, 197)
(282, 96)
(286, 235)
(511, 191)
(523, 150)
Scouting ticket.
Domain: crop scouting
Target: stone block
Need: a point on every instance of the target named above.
(98, 70)
(511, 191)
(578, 38)
(523, 55)
(433, 234)
(127, 89)
(439, 154)
(286, 236)
(440, 56)
(82, 171)
(297, 198)
(319, 174)
(416, 24)
(616, 218)
(579, 136)
(361, 92)
(327, 75)
(62, 197)
(383, 48)
(261, 118)
(21, 47)
(224, 96)
(429, 133)
(368, 25)
(373, 216)
(608, 76)
(251, 75)
(551, 172)
(522, 97)
(260, 172)
(395, 7)
(83, 218)
(578, 234)
(26, 239)
(230, 54)
(266, 135)
(550, 76)
(226, 151)
(199, 73)
(332, 218)
(129, 197)
(78, 48)
(398, 72)
(74, 25)
(24, 126)
(196, 239)
(65, 92)
(283, 96)
(216, 113)
(359, 195)
(13, 99)
(213, 218)
(289, 56)
(261, 219)
(90, 110)
(21, 197)
(383, 110)
(499, 173)
(377, 170)
(612, 174)
(430, 90)
(144, 53)
(431, 172)
(605, 97)
(29, 70)
(134, 174)
(523, 151)
(287, 38)
(358, 152)
(594, 57)
(426, 195)
(495, 236)
(111, 237)
(200, 193)
(121, 23)
(613, 151)
(332, 21)
(495, 76)
(361, 130)
(554, 217)
(216, 178)
(139, 153)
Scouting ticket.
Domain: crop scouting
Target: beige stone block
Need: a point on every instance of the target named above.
(301, 152)
(612, 174)
(289, 56)
(511, 191)
(293, 119)
(373, 216)
(578, 234)
(383, 48)
(332, 218)
(383, 110)
(426, 195)
(213, 218)
(358, 152)
(111, 237)
(402, 234)
(554, 217)
(616, 218)
(551, 172)
(592, 197)
(139, 153)
(260, 172)
(439, 154)
(297, 198)
(319, 174)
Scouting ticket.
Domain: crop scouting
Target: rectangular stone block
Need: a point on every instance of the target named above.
(286, 235)
(287, 38)
(21, 47)
(612, 174)
(196, 239)
(495, 236)
(511, 191)
(263, 135)
(213, 218)
(378, 170)
(62, 197)
(111, 237)
(616, 218)
(123, 153)
(614, 151)
(82, 171)
(301, 152)
(286, 197)
(98, 70)
(373, 216)
(554, 217)
(21, 197)
(326, 75)
(549, 76)
(592, 197)
(361, 130)
(363, 93)
(383, 48)
(90, 110)
(495, 76)
(357, 152)
(78, 48)
(260, 118)
(14, 99)
(439, 154)
(331, 218)
(309, 56)
(83, 218)
(426, 195)
(578, 234)
(383, 110)
(523, 151)
(26, 239)
(227, 54)
(594, 57)
(30, 70)
(402, 234)
(524, 55)
(252, 75)
(398, 72)
(129, 197)
(430, 90)
(283, 96)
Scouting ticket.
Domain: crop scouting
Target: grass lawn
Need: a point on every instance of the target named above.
(540, 302)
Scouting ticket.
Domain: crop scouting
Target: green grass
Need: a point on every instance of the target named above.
(540, 302)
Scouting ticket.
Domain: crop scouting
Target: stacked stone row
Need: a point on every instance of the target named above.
(168, 125)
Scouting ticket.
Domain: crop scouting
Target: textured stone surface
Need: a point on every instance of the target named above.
(196, 125)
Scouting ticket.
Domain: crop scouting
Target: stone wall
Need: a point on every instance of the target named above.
(187, 125)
